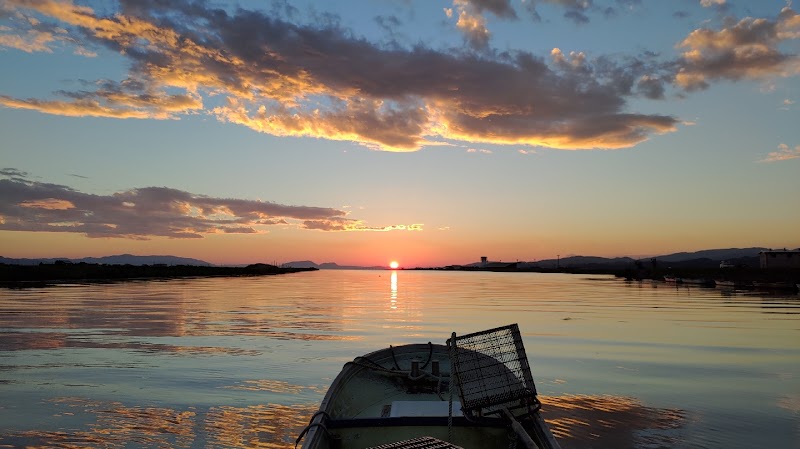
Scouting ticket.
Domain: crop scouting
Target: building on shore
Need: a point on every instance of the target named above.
(779, 259)
(488, 265)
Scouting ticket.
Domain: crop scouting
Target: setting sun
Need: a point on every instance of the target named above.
(394, 265)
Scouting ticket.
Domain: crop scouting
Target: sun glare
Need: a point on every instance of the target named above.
(394, 265)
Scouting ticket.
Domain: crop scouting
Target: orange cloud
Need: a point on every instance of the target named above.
(784, 153)
(471, 23)
(355, 225)
(746, 50)
(286, 79)
(48, 203)
(113, 108)
(31, 41)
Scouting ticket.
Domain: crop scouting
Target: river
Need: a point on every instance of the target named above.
(243, 362)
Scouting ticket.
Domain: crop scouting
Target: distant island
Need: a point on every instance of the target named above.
(329, 266)
(60, 271)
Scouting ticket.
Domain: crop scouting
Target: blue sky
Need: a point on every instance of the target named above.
(427, 132)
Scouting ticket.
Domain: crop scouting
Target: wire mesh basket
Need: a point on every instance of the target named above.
(418, 443)
(491, 370)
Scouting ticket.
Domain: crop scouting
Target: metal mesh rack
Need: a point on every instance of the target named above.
(491, 369)
(418, 443)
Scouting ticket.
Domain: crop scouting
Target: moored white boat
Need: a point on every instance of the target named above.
(475, 392)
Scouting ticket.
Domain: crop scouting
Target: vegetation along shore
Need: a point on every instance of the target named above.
(61, 272)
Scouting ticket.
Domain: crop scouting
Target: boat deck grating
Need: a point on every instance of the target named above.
(418, 443)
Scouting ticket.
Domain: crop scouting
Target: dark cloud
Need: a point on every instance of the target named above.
(319, 80)
(282, 8)
(575, 9)
(622, 5)
(143, 213)
(14, 174)
(500, 8)
(577, 16)
(578, 11)
(652, 88)
(389, 24)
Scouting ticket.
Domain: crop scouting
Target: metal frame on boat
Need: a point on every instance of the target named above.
(476, 391)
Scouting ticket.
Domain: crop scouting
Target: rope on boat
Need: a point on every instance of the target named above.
(422, 375)
(430, 355)
(312, 424)
(373, 365)
(391, 349)
(512, 440)
(397, 366)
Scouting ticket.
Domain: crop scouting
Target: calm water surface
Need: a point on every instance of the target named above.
(243, 362)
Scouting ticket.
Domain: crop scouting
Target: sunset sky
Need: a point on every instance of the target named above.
(427, 132)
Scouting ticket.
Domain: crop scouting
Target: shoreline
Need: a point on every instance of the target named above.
(740, 277)
(46, 275)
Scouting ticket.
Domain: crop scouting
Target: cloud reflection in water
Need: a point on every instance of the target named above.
(114, 425)
(578, 421)
(586, 421)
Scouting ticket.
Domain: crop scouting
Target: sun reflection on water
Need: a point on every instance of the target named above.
(393, 295)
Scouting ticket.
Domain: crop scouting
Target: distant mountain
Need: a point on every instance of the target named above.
(121, 259)
(328, 266)
(709, 258)
(580, 261)
(713, 254)
(300, 264)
